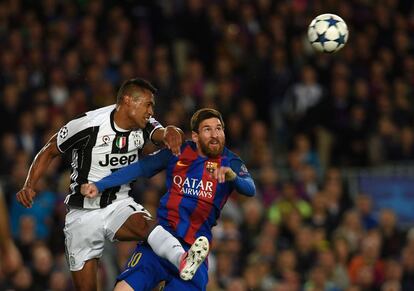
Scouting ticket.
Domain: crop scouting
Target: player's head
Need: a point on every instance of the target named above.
(207, 128)
(136, 98)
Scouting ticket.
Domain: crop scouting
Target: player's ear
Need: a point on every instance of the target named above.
(127, 99)
(194, 136)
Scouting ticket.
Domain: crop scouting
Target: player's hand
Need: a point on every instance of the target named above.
(173, 139)
(89, 190)
(25, 196)
(11, 260)
(224, 174)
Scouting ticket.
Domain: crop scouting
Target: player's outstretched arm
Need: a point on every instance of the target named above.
(39, 165)
(146, 167)
(171, 136)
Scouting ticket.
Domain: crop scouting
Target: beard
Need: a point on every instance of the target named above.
(212, 152)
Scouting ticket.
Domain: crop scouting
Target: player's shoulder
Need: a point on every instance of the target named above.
(100, 114)
(188, 144)
(235, 162)
(230, 154)
(93, 118)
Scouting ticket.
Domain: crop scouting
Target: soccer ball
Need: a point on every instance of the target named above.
(328, 33)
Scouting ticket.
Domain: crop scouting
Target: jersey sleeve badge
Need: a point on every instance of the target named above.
(63, 132)
(243, 170)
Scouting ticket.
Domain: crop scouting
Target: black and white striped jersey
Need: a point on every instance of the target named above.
(98, 148)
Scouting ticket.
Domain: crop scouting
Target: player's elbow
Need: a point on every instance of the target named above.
(246, 187)
(251, 191)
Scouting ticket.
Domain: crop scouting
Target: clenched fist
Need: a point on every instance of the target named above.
(224, 174)
(89, 190)
(25, 196)
(173, 139)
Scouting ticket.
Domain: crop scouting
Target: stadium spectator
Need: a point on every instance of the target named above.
(11, 259)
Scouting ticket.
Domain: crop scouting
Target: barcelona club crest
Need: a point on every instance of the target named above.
(211, 166)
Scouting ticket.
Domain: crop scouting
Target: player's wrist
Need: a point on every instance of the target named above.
(173, 127)
(28, 188)
(231, 175)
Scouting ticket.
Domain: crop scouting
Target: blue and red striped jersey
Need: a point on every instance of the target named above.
(194, 198)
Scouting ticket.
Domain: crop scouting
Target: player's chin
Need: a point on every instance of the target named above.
(141, 123)
(214, 151)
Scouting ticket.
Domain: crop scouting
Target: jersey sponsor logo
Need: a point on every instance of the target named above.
(181, 164)
(63, 132)
(117, 160)
(194, 187)
(120, 142)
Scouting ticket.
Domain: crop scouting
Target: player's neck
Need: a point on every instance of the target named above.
(120, 121)
(200, 153)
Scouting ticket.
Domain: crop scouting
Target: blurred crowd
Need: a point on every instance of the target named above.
(296, 117)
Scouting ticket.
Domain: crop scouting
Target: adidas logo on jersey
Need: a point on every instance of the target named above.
(117, 160)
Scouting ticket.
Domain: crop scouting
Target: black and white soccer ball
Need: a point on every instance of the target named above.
(328, 33)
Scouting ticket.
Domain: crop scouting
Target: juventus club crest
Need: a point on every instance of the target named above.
(138, 139)
(121, 142)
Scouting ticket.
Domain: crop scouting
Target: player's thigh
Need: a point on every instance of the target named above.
(84, 237)
(123, 286)
(85, 279)
(176, 284)
(143, 271)
(136, 228)
(128, 221)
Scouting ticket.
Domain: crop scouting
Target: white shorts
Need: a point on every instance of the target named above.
(86, 229)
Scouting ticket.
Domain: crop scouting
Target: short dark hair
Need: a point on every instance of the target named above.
(132, 86)
(203, 114)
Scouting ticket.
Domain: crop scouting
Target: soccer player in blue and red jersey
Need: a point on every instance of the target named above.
(199, 182)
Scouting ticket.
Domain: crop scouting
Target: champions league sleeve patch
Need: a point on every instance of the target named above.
(63, 132)
(243, 170)
(239, 167)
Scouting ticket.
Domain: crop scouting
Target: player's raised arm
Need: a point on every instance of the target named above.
(171, 136)
(39, 165)
(147, 167)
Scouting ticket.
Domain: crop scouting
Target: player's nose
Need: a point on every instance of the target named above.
(214, 133)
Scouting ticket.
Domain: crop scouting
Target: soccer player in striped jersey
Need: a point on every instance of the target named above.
(199, 181)
(101, 142)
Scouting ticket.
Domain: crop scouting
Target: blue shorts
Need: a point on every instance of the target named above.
(145, 270)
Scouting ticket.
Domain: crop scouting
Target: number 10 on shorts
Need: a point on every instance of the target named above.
(134, 260)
